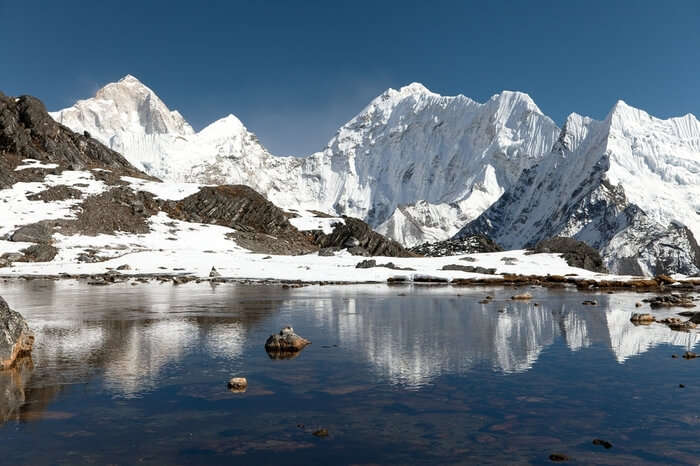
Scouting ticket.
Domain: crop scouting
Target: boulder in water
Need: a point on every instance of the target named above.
(286, 341)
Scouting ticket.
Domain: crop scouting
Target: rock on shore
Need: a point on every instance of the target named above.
(15, 337)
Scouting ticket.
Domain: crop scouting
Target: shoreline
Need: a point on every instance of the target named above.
(661, 284)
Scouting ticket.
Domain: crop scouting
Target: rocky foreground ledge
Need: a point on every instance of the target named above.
(15, 338)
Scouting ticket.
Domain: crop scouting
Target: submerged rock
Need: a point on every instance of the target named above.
(603, 443)
(286, 341)
(15, 338)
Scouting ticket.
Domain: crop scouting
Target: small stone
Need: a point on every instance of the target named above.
(637, 304)
(689, 355)
(321, 433)
(558, 457)
(674, 356)
(590, 303)
(238, 384)
(124, 267)
(680, 385)
(522, 296)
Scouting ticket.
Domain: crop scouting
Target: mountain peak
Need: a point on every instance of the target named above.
(516, 98)
(224, 128)
(130, 79)
(415, 88)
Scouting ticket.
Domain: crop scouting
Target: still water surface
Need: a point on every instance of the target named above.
(137, 374)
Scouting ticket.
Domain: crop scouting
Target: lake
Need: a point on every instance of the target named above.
(129, 374)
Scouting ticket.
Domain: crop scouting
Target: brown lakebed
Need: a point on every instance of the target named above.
(409, 374)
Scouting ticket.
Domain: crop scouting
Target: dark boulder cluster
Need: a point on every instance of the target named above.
(670, 300)
(575, 253)
(260, 225)
(371, 263)
(469, 269)
(359, 239)
(452, 247)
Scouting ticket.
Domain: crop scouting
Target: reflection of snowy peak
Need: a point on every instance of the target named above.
(628, 186)
(408, 147)
(412, 348)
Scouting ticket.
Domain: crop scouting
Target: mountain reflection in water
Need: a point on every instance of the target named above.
(174, 344)
(131, 334)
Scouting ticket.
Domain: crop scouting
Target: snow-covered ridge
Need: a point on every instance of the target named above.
(628, 185)
(407, 147)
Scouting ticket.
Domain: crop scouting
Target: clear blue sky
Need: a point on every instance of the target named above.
(293, 72)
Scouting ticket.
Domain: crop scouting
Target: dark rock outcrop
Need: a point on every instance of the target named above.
(56, 193)
(260, 225)
(359, 238)
(467, 245)
(39, 232)
(575, 253)
(27, 131)
(15, 338)
(39, 253)
(469, 269)
(371, 263)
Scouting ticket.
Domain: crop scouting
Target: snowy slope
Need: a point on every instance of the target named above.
(627, 186)
(409, 147)
(412, 147)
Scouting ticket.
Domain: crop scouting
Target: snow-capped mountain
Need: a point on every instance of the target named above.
(411, 147)
(414, 164)
(628, 186)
